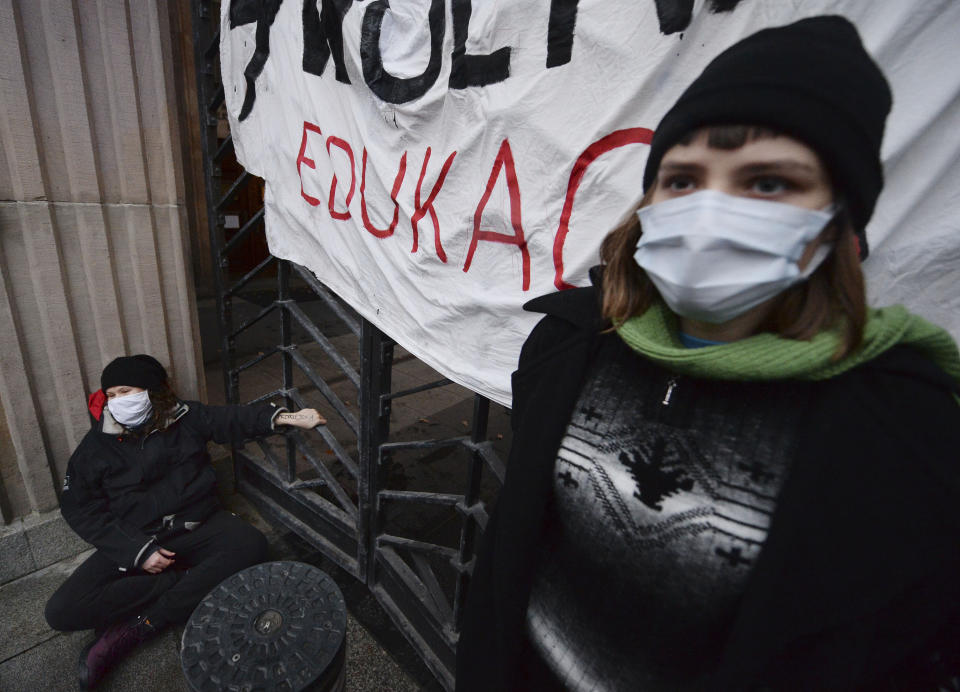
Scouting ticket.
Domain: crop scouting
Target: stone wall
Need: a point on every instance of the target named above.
(94, 245)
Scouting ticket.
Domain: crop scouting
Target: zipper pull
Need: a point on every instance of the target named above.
(671, 385)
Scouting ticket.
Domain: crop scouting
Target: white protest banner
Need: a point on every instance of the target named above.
(437, 163)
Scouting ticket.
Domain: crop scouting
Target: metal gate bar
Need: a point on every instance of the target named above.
(419, 582)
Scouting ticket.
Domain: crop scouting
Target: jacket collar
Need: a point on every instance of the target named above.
(109, 425)
(579, 306)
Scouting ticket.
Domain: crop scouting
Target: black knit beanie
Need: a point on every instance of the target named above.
(811, 80)
(134, 371)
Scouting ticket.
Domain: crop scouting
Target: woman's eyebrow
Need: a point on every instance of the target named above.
(678, 167)
(771, 166)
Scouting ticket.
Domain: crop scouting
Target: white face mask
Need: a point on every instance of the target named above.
(131, 410)
(713, 256)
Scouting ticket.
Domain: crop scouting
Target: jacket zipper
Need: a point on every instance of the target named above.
(143, 440)
(667, 395)
(667, 398)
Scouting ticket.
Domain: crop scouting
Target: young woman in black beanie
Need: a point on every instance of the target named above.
(729, 473)
(141, 489)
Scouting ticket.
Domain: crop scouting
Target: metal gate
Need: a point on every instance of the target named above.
(332, 486)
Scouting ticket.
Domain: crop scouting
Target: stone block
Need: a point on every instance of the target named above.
(51, 539)
(15, 556)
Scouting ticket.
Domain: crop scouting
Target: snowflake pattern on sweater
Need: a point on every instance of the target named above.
(663, 493)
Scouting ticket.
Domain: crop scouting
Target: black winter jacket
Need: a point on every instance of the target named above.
(857, 582)
(120, 490)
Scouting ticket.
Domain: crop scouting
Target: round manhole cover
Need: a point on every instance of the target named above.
(275, 626)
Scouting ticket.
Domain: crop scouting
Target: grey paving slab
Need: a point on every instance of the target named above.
(49, 666)
(22, 602)
(52, 666)
(155, 666)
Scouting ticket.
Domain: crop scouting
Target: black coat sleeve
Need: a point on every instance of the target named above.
(86, 509)
(549, 334)
(234, 424)
(545, 388)
(856, 586)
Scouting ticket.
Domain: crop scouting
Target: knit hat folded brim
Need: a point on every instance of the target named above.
(812, 80)
(140, 370)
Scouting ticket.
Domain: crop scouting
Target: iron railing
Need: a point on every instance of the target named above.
(332, 486)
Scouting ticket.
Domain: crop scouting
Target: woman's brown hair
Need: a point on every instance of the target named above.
(833, 297)
(165, 402)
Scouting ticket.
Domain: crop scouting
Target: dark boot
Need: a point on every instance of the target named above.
(100, 656)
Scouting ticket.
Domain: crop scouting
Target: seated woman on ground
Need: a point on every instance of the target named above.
(141, 488)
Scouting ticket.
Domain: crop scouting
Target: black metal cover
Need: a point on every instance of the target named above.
(274, 626)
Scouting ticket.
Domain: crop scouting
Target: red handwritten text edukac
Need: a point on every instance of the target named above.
(503, 163)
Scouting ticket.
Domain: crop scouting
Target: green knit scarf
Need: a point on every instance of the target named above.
(770, 357)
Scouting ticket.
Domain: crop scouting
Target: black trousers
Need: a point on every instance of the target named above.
(98, 594)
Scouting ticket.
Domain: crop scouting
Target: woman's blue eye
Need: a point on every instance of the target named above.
(678, 183)
(769, 185)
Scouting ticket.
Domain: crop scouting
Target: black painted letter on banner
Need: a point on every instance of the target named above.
(323, 36)
(244, 12)
(563, 20)
(723, 5)
(675, 15)
(396, 89)
(474, 70)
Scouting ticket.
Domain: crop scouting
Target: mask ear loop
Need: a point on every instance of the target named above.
(837, 211)
(819, 255)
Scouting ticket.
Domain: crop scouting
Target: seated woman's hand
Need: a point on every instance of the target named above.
(305, 418)
(158, 561)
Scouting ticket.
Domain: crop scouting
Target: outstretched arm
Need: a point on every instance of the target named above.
(234, 424)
